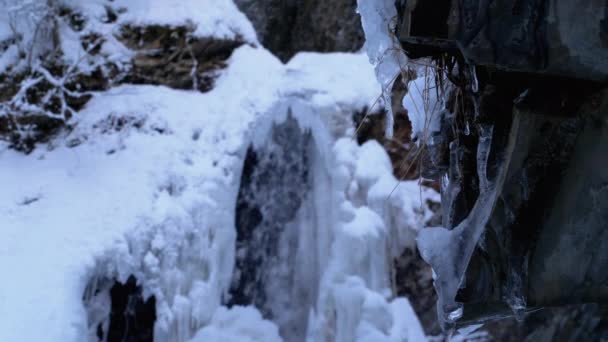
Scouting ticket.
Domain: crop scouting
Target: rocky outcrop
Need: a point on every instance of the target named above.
(45, 85)
(173, 57)
(286, 27)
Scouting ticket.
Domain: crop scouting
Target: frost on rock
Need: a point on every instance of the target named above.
(379, 19)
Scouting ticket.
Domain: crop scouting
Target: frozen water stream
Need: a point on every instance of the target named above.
(316, 233)
(275, 259)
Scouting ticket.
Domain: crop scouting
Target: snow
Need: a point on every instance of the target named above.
(378, 18)
(8, 57)
(338, 79)
(59, 236)
(5, 28)
(243, 324)
(424, 107)
(146, 182)
(211, 18)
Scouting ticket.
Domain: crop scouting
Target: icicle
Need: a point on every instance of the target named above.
(483, 153)
(383, 48)
(390, 117)
(474, 83)
(449, 251)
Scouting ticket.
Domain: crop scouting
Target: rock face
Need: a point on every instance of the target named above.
(286, 27)
(526, 35)
(525, 118)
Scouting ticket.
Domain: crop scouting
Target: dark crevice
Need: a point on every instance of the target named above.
(430, 19)
(131, 316)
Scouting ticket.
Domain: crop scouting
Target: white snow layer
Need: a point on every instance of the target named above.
(210, 18)
(424, 107)
(146, 184)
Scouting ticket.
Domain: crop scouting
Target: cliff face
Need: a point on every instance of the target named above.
(533, 36)
(523, 190)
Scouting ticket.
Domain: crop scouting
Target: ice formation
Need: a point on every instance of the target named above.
(449, 251)
(424, 105)
(145, 191)
(379, 19)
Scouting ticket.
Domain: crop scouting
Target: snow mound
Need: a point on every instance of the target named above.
(244, 324)
(211, 18)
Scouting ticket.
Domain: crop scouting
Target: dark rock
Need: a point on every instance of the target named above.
(541, 73)
(287, 27)
(414, 281)
(171, 56)
(554, 38)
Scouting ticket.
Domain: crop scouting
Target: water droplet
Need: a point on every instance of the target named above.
(454, 315)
